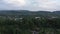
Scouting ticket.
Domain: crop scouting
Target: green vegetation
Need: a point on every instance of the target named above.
(44, 25)
(24, 22)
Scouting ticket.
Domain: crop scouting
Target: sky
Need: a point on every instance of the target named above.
(33, 5)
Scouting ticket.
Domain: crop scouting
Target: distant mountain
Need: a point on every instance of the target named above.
(57, 12)
(26, 12)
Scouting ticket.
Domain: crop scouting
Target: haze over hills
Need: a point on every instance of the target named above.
(26, 12)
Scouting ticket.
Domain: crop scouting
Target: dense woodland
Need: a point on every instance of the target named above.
(27, 24)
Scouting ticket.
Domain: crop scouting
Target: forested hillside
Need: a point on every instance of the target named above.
(26, 12)
(26, 22)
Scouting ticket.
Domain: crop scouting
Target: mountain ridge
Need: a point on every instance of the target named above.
(26, 12)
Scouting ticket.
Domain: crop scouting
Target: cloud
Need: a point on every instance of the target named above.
(15, 2)
(46, 4)
(49, 5)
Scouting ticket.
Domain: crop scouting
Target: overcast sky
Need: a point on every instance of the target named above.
(49, 5)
